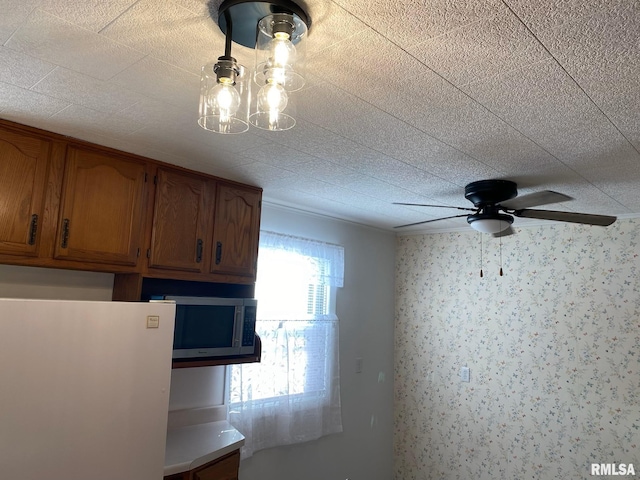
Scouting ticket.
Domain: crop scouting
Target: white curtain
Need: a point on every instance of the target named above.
(293, 394)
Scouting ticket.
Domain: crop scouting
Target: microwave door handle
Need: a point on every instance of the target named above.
(237, 327)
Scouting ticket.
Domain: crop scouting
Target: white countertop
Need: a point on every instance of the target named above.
(192, 446)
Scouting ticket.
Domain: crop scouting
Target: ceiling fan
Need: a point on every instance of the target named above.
(496, 204)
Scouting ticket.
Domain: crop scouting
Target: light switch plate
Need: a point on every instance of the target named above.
(358, 365)
(464, 374)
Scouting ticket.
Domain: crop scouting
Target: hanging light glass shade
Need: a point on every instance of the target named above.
(224, 97)
(280, 51)
(279, 62)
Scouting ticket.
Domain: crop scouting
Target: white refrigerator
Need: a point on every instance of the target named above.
(84, 389)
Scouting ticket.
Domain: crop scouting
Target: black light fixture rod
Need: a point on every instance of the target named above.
(228, 35)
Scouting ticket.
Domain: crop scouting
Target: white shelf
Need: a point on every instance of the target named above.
(192, 446)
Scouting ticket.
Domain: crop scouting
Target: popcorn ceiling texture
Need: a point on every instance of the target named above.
(404, 101)
(553, 347)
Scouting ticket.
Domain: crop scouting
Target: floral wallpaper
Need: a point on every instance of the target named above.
(552, 346)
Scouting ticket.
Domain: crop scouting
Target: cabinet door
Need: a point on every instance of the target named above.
(101, 218)
(177, 476)
(180, 221)
(24, 162)
(224, 469)
(236, 231)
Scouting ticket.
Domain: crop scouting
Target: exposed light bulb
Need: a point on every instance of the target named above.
(280, 51)
(224, 99)
(282, 55)
(272, 98)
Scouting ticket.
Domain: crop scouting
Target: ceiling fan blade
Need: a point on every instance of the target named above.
(535, 199)
(436, 206)
(507, 231)
(429, 221)
(585, 218)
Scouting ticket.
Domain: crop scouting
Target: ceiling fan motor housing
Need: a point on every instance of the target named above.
(490, 192)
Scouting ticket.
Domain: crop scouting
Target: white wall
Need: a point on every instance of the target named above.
(363, 451)
(197, 395)
(54, 284)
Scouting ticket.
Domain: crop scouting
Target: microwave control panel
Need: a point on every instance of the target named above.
(249, 326)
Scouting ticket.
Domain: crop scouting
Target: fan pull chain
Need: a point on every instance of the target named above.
(500, 256)
(480, 255)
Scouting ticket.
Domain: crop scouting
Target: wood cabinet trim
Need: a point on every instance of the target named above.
(127, 287)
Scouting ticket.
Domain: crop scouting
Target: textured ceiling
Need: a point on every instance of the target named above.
(406, 101)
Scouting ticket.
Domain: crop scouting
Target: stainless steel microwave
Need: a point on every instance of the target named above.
(213, 327)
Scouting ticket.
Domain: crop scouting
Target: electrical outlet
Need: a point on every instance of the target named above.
(358, 365)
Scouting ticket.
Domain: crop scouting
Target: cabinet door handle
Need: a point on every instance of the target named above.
(65, 233)
(218, 252)
(199, 251)
(33, 229)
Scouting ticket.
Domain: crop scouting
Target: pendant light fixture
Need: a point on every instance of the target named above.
(277, 30)
(224, 94)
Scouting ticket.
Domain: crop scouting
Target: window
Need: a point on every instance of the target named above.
(292, 395)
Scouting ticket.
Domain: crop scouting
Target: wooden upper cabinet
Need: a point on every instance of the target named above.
(235, 231)
(24, 162)
(180, 221)
(70, 204)
(102, 210)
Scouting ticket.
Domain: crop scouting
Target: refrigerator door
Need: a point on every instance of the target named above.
(84, 389)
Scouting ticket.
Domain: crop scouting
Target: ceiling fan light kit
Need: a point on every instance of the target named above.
(277, 30)
(490, 222)
(496, 202)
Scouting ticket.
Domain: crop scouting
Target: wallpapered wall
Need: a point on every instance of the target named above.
(552, 346)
